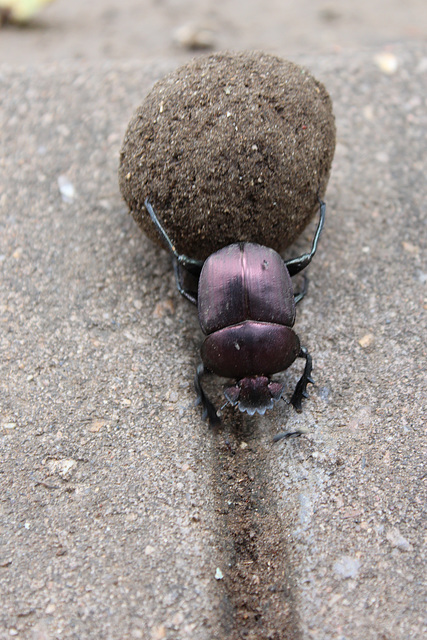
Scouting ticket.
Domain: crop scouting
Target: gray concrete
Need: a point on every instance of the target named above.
(107, 529)
(352, 496)
(117, 503)
(149, 30)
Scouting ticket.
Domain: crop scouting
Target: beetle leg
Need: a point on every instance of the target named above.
(189, 295)
(300, 295)
(301, 388)
(209, 410)
(295, 265)
(179, 260)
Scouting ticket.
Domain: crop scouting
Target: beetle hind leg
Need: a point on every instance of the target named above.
(301, 388)
(209, 410)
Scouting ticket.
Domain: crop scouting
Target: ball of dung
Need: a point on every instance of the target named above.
(228, 148)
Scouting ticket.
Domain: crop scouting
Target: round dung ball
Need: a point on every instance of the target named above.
(231, 147)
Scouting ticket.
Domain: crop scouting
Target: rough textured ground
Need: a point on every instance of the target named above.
(153, 30)
(121, 515)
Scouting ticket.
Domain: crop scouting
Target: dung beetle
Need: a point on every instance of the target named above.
(246, 306)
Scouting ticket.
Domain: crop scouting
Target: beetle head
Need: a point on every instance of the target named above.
(254, 394)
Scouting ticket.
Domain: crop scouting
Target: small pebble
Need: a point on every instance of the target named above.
(66, 189)
(411, 248)
(96, 425)
(396, 539)
(158, 632)
(386, 62)
(10, 425)
(164, 307)
(62, 467)
(367, 340)
(194, 36)
(347, 567)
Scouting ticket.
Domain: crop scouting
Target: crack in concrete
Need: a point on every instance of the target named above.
(257, 581)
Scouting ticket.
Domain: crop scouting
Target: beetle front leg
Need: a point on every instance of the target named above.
(209, 410)
(179, 260)
(301, 388)
(300, 295)
(186, 293)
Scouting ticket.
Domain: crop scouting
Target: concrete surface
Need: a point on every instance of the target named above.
(121, 514)
(153, 29)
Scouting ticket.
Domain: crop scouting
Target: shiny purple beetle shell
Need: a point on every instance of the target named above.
(246, 309)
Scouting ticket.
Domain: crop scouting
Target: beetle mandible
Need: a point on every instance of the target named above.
(246, 306)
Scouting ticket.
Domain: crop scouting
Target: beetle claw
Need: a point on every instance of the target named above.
(297, 405)
(209, 411)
